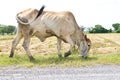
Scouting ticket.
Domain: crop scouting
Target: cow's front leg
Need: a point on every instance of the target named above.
(26, 47)
(59, 47)
(69, 40)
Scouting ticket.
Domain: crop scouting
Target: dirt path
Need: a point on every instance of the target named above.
(99, 72)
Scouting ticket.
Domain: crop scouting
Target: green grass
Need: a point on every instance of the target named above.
(52, 60)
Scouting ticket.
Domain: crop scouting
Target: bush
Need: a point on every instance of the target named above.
(116, 27)
(99, 29)
(4, 29)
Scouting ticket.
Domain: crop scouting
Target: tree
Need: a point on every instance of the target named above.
(110, 31)
(98, 29)
(118, 30)
(116, 27)
(11, 29)
(4, 29)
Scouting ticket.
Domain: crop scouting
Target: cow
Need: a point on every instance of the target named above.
(44, 24)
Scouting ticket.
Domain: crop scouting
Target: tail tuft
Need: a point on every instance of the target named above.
(40, 11)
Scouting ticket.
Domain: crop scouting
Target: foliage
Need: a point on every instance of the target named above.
(116, 27)
(52, 60)
(99, 29)
(7, 29)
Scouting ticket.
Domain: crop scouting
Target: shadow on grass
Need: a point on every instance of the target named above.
(49, 60)
(55, 60)
(89, 58)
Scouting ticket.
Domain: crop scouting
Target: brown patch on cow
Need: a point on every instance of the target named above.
(85, 37)
(61, 37)
(88, 42)
(31, 32)
(50, 32)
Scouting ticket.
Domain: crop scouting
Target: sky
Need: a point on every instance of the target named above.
(87, 12)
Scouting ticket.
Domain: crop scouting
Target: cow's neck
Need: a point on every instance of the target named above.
(78, 36)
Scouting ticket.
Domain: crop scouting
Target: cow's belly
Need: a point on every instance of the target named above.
(42, 35)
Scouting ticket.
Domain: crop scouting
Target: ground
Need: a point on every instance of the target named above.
(98, 72)
(101, 43)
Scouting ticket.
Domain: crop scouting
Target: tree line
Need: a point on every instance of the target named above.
(10, 29)
(7, 29)
(100, 29)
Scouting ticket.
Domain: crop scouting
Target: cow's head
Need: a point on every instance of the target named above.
(85, 46)
(88, 42)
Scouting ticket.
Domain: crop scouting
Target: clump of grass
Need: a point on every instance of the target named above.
(17, 60)
(50, 46)
(6, 37)
(52, 60)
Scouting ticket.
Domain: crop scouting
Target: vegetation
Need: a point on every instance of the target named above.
(99, 29)
(105, 50)
(116, 27)
(7, 29)
(53, 60)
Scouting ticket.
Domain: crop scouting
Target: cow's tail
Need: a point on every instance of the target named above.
(40, 11)
(24, 21)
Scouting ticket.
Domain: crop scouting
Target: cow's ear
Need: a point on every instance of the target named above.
(85, 37)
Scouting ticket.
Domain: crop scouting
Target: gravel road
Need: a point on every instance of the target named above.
(99, 72)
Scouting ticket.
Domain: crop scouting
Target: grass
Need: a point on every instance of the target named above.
(53, 60)
(97, 56)
(6, 37)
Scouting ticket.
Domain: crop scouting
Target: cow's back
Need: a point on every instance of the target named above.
(62, 23)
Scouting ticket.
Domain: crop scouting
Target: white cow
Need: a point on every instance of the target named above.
(47, 23)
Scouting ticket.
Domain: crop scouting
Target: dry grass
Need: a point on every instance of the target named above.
(105, 43)
(45, 53)
(101, 43)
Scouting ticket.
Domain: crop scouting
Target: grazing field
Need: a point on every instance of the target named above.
(105, 50)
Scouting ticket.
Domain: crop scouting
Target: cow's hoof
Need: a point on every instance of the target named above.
(67, 54)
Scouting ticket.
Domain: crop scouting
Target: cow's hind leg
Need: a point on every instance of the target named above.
(69, 40)
(59, 47)
(14, 43)
(26, 47)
